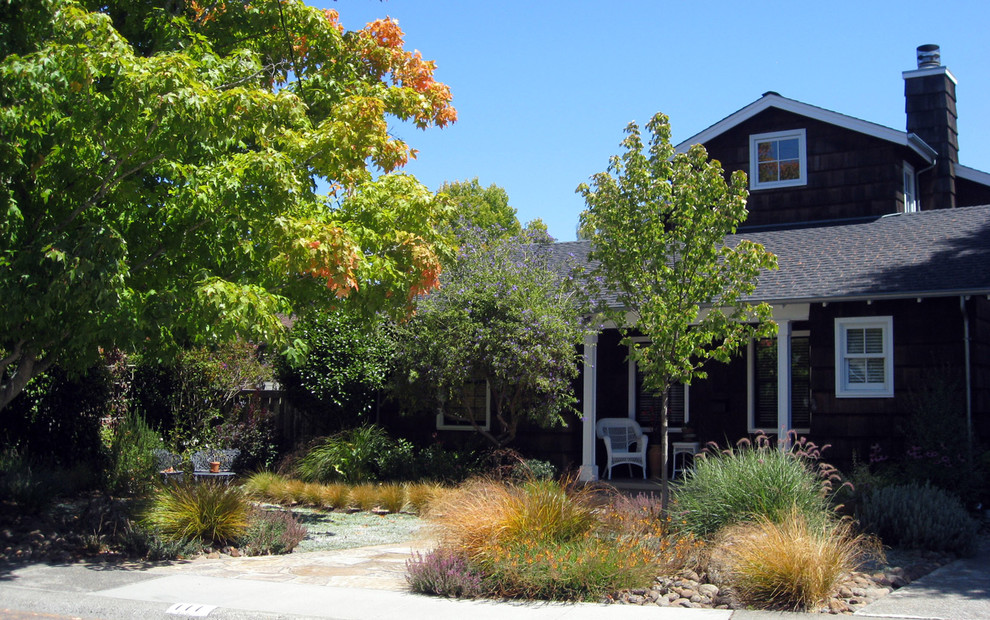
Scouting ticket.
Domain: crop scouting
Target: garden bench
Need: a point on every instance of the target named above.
(223, 471)
(168, 466)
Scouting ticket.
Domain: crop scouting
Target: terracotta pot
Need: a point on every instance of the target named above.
(214, 467)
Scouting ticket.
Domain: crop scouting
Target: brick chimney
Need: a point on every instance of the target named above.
(930, 104)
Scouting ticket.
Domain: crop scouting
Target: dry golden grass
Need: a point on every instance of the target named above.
(481, 513)
(419, 495)
(290, 491)
(335, 495)
(392, 497)
(311, 494)
(365, 496)
(791, 564)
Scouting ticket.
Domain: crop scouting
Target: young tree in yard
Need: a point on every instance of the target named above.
(159, 171)
(658, 222)
(504, 318)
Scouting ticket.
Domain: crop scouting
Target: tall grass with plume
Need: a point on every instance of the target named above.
(752, 481)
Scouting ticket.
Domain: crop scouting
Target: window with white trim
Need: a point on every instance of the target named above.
(910, 189)
(778, 159)
(864, 357)
(646, 406)
(763, 404)
(475, 404)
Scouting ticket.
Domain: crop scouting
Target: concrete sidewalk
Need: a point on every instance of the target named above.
(957, 591)
(369, 583)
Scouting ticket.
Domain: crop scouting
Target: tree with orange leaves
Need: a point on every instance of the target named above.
(161, 166)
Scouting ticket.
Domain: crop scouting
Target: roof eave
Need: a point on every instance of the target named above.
(773, 100)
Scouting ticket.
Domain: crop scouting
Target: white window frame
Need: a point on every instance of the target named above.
(632, 395)
(444, 425)
(751, 392)
(910, 189)
(844, 389)
(754, 164)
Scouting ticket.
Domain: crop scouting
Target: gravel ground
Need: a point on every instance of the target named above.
(347, 530)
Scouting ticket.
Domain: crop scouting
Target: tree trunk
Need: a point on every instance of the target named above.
(664, 477)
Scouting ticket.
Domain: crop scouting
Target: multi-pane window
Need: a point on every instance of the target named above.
(864, 357)
(764, 387)
(777, 159)
(474, 404)
(649, 406)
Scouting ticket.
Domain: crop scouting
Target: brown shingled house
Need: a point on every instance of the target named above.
(883, 286)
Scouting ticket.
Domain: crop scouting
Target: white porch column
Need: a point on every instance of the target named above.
(589, 399)
(783, 380)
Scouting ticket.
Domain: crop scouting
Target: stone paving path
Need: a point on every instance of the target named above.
(381, 567)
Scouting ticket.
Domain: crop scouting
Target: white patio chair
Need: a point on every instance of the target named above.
(620, 435)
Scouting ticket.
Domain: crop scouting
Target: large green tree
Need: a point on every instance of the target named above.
(475, 206)
(159, 171)
(506, 322)
(657, 221)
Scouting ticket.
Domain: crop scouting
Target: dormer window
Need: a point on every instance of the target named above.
(778, 159)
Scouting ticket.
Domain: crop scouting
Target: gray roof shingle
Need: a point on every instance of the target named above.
(926, 254)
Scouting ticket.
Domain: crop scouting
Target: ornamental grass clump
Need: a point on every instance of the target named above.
(419, 495)
(335, 495)
(215, 513)
(365, 496)
(539, 539)
(392, 497)
(259, 485)
(753, 481)
(792, 563)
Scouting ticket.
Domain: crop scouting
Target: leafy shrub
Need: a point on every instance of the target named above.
(350, 456)
(919, 517)
(434, 462)
(790, 563)
(190, 396)
(133, 468)
(272, 532)
(206, 511)
(348, 362)
(534, 469)
(444, 572)
(755, 480)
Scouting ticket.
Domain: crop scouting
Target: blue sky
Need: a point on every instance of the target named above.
(544, 89)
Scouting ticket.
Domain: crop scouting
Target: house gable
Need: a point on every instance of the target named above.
(847, 173)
